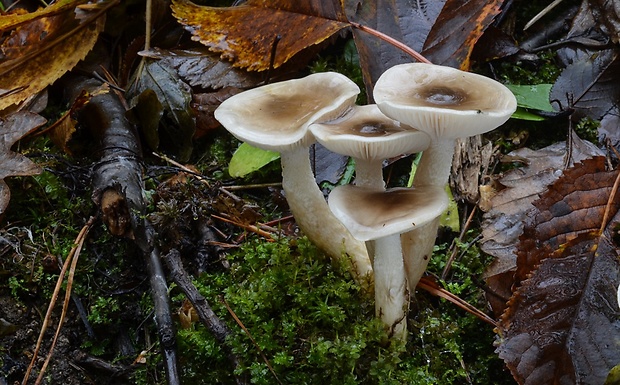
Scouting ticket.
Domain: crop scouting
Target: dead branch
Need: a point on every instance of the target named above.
(118, 191)
(206, 315)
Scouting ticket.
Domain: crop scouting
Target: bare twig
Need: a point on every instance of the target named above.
(71, 260)
(260, 351)
(454, 248)
(250, 228)
(432, 287)
(388, 39)
(206, 315)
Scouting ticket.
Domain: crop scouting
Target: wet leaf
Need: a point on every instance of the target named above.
(443, 31)
(199, 67)
(10, 21)
(608, 13)
(457, 29)
(245, 34)
(67, 38)
(518, 189)
(591, 83)
(148, 112)
(409, 22)
(204, 106)
(328, 166)
(12, 128)
(561, 324)
(532, 96)
(503, 223)
(63, 129)
(494, 44)
(175, 97)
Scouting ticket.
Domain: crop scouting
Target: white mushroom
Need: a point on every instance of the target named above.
(276, 117)
(447, 104)
(369, 137)
(381, 216)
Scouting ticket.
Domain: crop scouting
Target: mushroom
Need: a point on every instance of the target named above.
(276, 117)
(381, 216)
(369, 137)
(446, 103)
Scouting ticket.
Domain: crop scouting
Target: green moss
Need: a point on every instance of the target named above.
(315, 326)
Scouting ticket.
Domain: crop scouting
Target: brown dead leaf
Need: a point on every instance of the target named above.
(246, 34)
(561, 323)
(457, 29)
(573, 205)
(204, 106)
(12, 128)
(33, 69)
(503, 224)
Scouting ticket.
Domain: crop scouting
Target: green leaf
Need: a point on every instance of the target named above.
(248, 159)
(533, 96)
(523, 114)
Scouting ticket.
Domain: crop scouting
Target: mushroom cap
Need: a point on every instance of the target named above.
(276, 116)
(366, 133)
(370, 214)
(442, 101)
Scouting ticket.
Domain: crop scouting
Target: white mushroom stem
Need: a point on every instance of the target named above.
(391, 289)
(369, 173)
(433, 169)
(314, 217)
(435, 164)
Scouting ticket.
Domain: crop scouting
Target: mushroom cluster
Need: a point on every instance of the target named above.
(388, 233)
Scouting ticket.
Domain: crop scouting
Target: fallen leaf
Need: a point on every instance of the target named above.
(204, 106)
(608, 13)
(590, 85)
(503, 223)
(9, 21)
(444, 31)
(246, 34)
(199, 67)
(175, 97)
(27, 74)
(408, 22)
(561, 323)
(457, 29)
(12, 128)
(63, 129)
